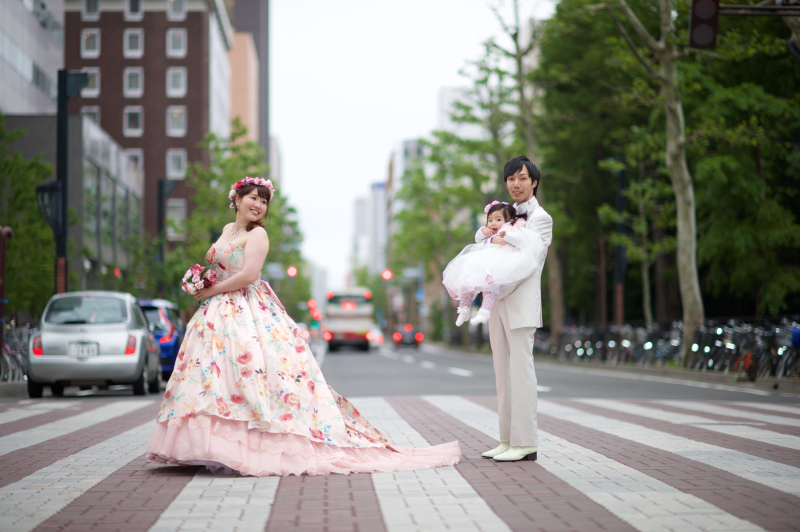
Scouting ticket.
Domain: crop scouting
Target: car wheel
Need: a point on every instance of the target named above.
(35, 390)
(155, 384)
(365, 347)
(57, 389)
(140, 386)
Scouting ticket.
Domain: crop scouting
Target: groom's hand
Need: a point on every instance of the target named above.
(500, 241)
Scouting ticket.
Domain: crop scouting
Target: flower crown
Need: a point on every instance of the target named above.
(258, 181)
(492, 204)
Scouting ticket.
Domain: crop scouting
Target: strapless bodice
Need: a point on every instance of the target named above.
(226, 259)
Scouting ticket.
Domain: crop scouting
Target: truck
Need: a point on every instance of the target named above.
(349, 319)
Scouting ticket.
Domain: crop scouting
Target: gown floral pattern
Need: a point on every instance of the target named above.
(248, 395)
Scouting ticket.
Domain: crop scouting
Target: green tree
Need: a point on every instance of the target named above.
(30, 256)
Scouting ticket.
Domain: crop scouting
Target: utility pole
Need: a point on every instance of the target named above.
(6, 234)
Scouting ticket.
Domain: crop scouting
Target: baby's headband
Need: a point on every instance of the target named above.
(492, 204)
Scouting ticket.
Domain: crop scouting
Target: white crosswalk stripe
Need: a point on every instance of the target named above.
(741, 431)
(29, 502)
(68, 425)
(732, 412)
(772, 474)
(37, 409)
(645, 503)
(775, 408)
(221, 504)
(425, 500)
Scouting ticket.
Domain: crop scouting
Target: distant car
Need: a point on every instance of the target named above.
(168, 329)
(93, 338)
(407, 335)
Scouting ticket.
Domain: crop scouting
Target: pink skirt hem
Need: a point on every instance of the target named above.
(225, 445)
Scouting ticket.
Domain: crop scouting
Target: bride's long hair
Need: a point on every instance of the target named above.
(263, 193)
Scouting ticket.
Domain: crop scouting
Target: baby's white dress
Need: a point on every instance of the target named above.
(485, 267)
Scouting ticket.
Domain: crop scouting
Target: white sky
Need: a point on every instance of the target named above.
(352, 79)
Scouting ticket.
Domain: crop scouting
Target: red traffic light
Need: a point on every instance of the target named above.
(312, 303)
(703, 24)
(367, 295)
(117, 272)
(329, 295)
(327, 336)
(387, 275)
(291, 271)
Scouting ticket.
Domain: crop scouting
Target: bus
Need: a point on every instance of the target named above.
(349, 318)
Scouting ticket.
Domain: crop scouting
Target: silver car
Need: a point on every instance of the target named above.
(93, 338)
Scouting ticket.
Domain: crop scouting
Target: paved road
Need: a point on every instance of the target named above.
(617, 453)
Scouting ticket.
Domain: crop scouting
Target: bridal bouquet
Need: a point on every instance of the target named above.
(198, 277)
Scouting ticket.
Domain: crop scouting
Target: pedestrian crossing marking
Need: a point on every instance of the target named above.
(68, 425)
(27, 503)
(645, 503)
(732, 412)
(771, 474)
(428, 499)
(16, 414)
(738, 430)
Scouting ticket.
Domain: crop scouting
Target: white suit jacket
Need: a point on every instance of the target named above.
(524, 301)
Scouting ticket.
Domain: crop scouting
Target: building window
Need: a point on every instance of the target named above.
(133, 82)
(136, 158)
(176, 218)
(133, 121)
(133, 43)
(176, 9)
(176, 82)
(176, 43)
(92, 112)
(92, 88)
(91, 10)
(133, 10)
(176, 163)
(176, 121)
(90, 43)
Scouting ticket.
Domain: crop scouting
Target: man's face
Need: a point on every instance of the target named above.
(520, 186)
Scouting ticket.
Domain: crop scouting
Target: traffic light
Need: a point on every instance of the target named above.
(367, 295)
(703, 25)
(291, 271)
(387, 275)
(312, 303)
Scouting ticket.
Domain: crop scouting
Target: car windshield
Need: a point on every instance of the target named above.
(154, 318)
(86, 310)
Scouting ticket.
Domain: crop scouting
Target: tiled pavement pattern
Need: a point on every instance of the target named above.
(603, 465)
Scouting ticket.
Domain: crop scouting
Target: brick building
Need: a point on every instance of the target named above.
(159, 81)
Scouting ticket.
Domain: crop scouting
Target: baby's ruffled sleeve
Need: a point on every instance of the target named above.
(479, 236)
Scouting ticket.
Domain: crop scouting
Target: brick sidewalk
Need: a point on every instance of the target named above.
(603, 465)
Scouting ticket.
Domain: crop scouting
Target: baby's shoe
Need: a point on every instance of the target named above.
(481, 317)
(463, 314)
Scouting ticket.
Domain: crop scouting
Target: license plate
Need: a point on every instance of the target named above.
(83, 350)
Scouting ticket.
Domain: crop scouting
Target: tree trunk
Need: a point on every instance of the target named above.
(693, 313)
(602, 289)
(660, 284)
(645, 268)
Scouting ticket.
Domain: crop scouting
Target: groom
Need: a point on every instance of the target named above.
(514, 320)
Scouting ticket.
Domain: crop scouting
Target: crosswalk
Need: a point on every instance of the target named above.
(603, 464)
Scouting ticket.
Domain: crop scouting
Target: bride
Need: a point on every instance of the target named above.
(247, 394)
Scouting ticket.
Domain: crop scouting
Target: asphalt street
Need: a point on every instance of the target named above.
(434, 370)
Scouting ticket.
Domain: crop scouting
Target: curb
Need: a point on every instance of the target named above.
(14, 389)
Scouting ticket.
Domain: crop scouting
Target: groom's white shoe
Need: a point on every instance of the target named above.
(503, 447)
(481, 317)
(463, 315)
(514, 454)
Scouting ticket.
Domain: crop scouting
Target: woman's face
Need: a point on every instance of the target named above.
(251, 206)
(495, 221)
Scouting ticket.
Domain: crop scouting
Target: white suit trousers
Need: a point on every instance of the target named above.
(512, 353)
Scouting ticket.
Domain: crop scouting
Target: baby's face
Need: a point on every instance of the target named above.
(495, 221)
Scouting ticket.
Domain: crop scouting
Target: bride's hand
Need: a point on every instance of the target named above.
(205, 293)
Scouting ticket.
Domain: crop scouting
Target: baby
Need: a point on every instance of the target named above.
(485, 267)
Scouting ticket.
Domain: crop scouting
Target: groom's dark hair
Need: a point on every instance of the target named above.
(516, 164)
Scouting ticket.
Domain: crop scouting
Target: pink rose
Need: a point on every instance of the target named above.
(211, 275)
(167, 395)
(285, 417)
(195, 278)
(292, 400)
(200, 285)
(237, 399)
(244, 358)
(246, 372)
(310, 385)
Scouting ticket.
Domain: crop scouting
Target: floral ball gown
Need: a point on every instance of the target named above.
(247, 395)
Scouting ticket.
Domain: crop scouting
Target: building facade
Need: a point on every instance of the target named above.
(104, 193)
(244, 83)
(159, 80)
(31, 44)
